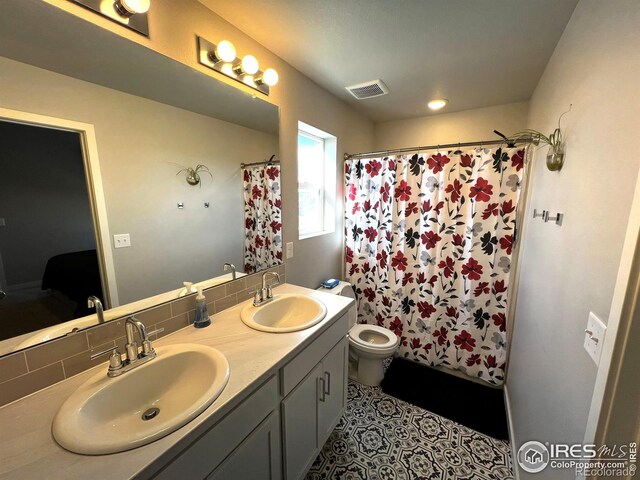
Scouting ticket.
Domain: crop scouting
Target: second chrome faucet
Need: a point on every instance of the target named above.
(265, 294)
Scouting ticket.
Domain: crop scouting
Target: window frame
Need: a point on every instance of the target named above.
(328, 192)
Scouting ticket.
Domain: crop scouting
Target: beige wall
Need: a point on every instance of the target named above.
(570, 270)
(139, 142)
(173, 33)
(466, 126)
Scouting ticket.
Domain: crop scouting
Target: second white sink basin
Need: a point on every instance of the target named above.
(285, 313)
(109, 415)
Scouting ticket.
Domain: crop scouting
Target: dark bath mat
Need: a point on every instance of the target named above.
(476, 406)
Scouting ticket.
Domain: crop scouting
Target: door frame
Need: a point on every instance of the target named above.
(93, 177)
(622, 314)
(3, 278)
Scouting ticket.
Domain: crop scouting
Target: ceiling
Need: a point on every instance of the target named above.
(476, 53)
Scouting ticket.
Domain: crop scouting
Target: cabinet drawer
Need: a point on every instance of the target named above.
(298, 368)
(206, 453)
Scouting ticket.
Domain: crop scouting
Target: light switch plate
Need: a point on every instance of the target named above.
(122, 240)
(289, 249)
(594, 337)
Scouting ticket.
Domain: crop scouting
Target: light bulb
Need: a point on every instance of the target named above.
(249, 64)
(270, 77)
(127, 8)
(225, 51)
(437, 104)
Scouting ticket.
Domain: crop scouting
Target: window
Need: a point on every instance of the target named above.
(316, 181)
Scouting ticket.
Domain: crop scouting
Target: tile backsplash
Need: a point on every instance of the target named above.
(38, 367)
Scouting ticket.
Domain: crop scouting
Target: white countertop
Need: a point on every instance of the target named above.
(28, 450)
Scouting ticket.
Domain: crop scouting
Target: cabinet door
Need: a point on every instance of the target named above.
(257, 457)
(299, 420)
(333, 399)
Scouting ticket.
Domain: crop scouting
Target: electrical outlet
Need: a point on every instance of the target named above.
(594, 337)
(289, 249)
(122, 240)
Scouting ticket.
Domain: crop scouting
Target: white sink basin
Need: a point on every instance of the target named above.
(57, 331)
(104, 415)
(285, 313)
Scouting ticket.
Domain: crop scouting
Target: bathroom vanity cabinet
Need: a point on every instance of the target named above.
(312, 410)
(279, 428)
(247, 439)
(285, 394)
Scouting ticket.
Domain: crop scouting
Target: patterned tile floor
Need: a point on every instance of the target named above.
(383, 438)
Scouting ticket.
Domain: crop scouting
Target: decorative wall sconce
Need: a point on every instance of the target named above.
(223, 59)
(129, 13)
(193, 174)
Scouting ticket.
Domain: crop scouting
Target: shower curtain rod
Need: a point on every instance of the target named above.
(271, 161)
(267, 162)
(348, 156)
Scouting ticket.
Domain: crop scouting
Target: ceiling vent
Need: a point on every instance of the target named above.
(373, 88)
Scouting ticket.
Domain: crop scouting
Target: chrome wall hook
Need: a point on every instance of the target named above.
(537, 214)
(557, 218)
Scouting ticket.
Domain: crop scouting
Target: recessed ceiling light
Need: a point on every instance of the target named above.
(437, 104)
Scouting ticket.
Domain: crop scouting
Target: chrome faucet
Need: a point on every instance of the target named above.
(134, 355)
(265, 294)
(94, 301)
(231, 266)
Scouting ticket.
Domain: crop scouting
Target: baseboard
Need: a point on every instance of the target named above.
(512, 440)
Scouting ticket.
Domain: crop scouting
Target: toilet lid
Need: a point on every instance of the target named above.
(373, 336)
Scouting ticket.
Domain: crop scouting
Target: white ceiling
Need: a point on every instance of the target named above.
(476, 53)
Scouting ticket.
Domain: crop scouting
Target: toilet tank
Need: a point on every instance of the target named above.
(345, 289)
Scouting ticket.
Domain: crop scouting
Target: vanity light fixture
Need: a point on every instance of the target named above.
(223, 59)
(132, 14)
(269, 77)
(249, 65)
(128, 8)
(437, 104)
(224, 52)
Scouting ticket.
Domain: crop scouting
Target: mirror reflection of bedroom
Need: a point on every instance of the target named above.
(48, 261)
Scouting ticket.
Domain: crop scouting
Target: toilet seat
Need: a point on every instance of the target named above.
(372, 338)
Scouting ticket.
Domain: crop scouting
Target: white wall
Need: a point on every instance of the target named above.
(465, 126)
(43, 195)
(299, 98)
(139, 141)
(570, 270)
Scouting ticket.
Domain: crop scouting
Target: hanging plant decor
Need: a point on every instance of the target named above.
(193, 174)
(555, 155)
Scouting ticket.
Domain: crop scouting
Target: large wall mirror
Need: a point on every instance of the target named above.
(95, 193)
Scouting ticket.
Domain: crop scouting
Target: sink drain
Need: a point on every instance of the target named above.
(150, 414)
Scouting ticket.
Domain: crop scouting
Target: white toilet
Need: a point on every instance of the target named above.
(369, 345)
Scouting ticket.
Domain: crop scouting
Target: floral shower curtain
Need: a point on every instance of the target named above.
(429, 241)
(262, 217)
